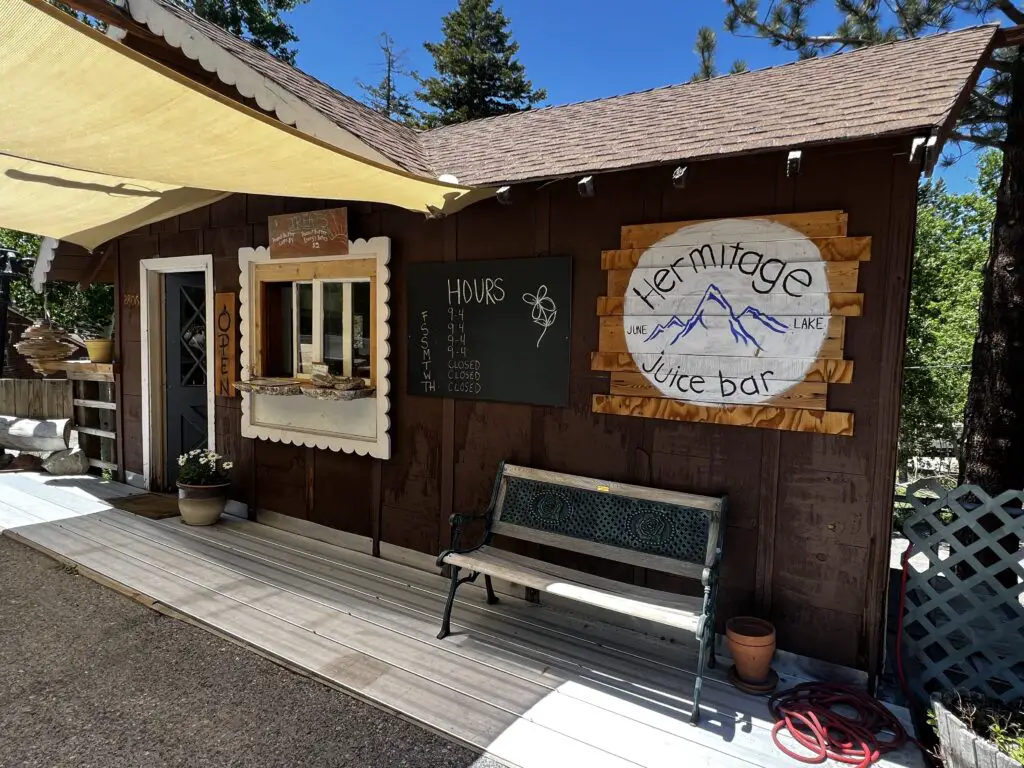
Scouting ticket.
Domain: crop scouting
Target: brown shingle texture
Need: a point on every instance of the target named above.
(886, 89)
(883, 90)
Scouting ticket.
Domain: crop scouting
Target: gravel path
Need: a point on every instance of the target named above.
(91, 679)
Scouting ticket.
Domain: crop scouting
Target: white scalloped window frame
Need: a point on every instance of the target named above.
(379, 446)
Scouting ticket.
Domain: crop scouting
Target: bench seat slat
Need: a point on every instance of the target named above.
(597, 549)
(664, 608)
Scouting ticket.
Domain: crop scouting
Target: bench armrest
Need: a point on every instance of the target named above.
(458, 523)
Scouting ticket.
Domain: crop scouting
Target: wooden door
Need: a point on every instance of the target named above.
(185, 403)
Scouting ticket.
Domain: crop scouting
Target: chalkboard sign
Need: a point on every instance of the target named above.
(313, 233)
(491, 330)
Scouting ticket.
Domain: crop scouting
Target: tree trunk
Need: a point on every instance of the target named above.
(992, 450)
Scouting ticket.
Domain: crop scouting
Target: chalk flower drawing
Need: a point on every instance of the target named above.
(544, 310)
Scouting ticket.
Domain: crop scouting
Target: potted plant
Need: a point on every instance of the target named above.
(752, 645)
(978, 732)
(99, 341)
(202, 486)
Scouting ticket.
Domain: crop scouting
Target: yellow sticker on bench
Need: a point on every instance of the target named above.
(603, 488)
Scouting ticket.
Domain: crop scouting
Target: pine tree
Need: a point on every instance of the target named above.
(707, 44)
(477, 72)
(992, 447)
(258, 21)
(385, 97)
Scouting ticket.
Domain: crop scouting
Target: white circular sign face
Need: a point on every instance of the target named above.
(731, 311)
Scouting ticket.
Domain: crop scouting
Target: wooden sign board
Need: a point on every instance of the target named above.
(491, 330)
(225, 349)
(313, 233)
(731, 321)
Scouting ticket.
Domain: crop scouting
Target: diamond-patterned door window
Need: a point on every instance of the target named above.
(192, 301)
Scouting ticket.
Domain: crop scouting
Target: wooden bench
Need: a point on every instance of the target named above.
(678, 533)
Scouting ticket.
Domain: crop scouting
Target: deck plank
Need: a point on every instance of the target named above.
(487, 634)
(81, 486)
(631, 738)
(521, 681)
(469, 721)
(593, 692)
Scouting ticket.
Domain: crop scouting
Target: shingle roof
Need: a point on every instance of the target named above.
(911, 85)
(885, 89)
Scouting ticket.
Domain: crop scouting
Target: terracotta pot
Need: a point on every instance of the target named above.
(100, 350)
(752, 646)
(202, 504)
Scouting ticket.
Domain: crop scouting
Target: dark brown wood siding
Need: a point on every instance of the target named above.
(809, 517)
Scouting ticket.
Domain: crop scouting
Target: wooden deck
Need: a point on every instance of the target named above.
(528, 685)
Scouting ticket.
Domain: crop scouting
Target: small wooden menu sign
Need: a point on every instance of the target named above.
(313, 233)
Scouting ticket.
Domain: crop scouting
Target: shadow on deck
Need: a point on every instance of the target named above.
(526, 684)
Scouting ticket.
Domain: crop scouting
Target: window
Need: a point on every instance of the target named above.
(329, 310)
(327, 320)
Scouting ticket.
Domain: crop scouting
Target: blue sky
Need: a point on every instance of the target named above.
(576, 49)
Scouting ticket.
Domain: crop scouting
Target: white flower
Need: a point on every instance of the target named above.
(228, 465)
(181, 461)
(202, 460)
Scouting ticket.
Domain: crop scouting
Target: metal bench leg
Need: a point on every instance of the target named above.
(491, 597)
(706, 628)
(446, 620)
(701, 659)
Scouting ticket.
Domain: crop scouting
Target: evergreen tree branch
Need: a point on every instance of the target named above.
(1012, 12)
(984, 141)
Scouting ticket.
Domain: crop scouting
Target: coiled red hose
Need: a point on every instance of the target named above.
(834, 721)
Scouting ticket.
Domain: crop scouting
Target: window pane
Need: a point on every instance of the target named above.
(346, 308)
(334, 328)
(361, 330)
(304, 326)
(279, 334)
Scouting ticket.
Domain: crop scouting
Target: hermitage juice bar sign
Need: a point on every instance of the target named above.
(491, 330)
(716, 319)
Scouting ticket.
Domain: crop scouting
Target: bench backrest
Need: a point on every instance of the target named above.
(667, 531)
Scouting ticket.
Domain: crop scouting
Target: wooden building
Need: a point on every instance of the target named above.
(809, 169)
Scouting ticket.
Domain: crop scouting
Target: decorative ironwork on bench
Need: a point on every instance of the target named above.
(641, 525)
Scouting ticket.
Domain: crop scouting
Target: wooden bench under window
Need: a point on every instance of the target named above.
(677, 533)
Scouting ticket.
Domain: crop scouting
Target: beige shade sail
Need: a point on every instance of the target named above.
(86, 208)
(97, 140)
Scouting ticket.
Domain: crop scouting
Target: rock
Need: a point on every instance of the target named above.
(70, 462)
(26, 462)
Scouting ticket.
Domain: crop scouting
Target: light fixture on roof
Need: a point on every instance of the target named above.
(504, 195)
(793, 162)
(448, 178)
(679, 177)
(585, 186)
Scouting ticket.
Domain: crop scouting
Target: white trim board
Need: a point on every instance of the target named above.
(150, 271)
(282, 430)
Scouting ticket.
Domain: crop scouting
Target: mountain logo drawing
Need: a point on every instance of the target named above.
(740, 333)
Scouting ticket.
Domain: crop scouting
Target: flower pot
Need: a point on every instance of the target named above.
(100, 350)
(202, 504)
(752, 646)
